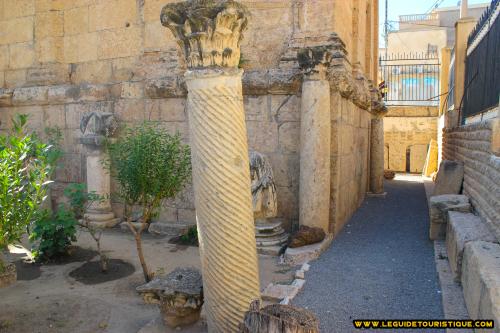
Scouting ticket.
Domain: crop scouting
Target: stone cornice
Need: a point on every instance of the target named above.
(209, 32)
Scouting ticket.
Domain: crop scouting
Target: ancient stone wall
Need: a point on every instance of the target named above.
(474, 146)
(62, 58)
(350, 159)
(408, 130)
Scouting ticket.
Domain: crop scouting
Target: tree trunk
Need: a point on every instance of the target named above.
(138, 242)
(277, 318)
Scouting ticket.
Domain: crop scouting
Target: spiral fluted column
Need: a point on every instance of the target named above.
(219, 155)
(221, 180)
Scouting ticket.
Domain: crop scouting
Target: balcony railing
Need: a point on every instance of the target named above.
(418, 17)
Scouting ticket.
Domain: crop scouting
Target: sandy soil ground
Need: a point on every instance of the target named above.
(48, 300)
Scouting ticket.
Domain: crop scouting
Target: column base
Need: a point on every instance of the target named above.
(376, 195)
(102, 220)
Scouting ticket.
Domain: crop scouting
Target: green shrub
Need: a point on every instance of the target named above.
(190, 237)
(55, 233)
(26, 164)
(150, 165)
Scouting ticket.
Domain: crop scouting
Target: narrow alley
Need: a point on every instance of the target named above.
(381, 266)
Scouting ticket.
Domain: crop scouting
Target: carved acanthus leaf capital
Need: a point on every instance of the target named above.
(209, 32)
(315, 60)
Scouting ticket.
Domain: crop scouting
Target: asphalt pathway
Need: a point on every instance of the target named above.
(381, 266)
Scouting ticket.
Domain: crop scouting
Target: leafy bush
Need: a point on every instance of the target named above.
(190, 237)
(55, 233)
(26, 164)
(150, 165)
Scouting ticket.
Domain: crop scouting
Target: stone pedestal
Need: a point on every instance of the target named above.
(270, 236)
(100, 213)
(377, 156)
(315, 138)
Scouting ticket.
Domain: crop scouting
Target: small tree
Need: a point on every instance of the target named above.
(26, 164)
(150, 165)
(80, 201)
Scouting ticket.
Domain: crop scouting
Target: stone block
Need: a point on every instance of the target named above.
(92, 72)
(256, 108)
(481, 280)
(15, 78)
(130, 110)
(30, 96)
(168, 215)
(50, 49)
(21, 55)
(172, 109)
(19, 8)
(167, 87)
(122, 69)
(48, 5)
(4, 57)
(449, 178)
(80, 48)
(463, 228)
(152, 9)
(119, 43)
(48, 74)
(54, 116)
(76, 21)
(300, 274)
(277, 292)
(304, 254)
(285, 107)
(113, 14)
(169, 229)
(132, 90)
(187, 216)
(157, 37)
(16, 30)
(49, 24)
(289, 137)
(439, 206)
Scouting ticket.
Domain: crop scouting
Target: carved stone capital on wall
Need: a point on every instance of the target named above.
(314, 61)
(209, 32)
(96, 127)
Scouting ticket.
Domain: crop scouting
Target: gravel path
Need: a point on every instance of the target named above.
(381, 266)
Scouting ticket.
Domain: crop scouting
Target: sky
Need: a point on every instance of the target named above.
(407, 7)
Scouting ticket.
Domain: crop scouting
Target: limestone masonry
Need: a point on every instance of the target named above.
(60, 59)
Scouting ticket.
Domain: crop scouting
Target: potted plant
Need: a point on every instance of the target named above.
(26, 164)
(150, 166)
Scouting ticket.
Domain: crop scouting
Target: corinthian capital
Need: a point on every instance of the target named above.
(315, 60)
(209, 32)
